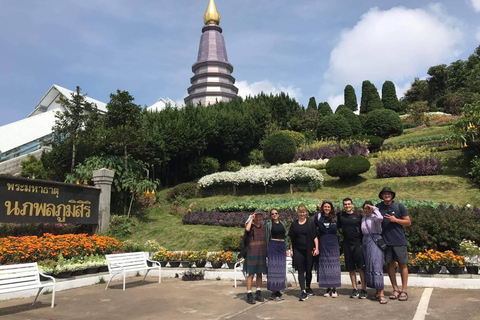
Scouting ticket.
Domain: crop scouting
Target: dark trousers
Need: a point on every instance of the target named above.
(304, 268)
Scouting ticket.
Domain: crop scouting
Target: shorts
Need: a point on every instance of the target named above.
(353, 257)
(396, 253)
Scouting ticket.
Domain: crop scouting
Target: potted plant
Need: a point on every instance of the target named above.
(229, 258)
(162, 257)
(412, 264)
(185, 257)
(193, 275)
(46, 267)
(472, 255)
(62, 269)
(429, 260)
(201, 258)
(215, 259)
(455, 264)
(174, 259)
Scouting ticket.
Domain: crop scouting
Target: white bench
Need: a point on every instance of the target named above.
(239, 268)
(19, 277)
(131, 262)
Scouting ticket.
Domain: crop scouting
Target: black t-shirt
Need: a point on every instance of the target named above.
(351, 227)
(278, 231)
(301, 236)
(393, 233)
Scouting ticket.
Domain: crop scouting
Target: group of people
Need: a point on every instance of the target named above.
(369, 239)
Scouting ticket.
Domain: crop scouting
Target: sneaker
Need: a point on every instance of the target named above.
(250, 298)
(258, 296)
(328, 293)
(303, 296)
(279, 296)
(273, 296)
(334, 293)
(310, 292)
(363, 294)
(354, 293)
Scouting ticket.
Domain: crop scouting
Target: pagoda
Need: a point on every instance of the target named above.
(212, 80)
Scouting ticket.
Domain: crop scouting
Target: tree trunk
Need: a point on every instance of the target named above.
(73, 156)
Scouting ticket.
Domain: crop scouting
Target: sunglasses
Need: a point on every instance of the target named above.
(273, 213)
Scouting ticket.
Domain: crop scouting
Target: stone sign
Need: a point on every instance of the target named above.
(25, 200)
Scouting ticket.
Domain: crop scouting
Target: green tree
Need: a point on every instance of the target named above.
(351, 118)
(279, 147)
(33, 168)
(418, 91)
(389, 96)
(370, 98)
(417, 112)
(324, 109)
(334, 126)
(123, 122)
(73, 123)
(312, 104)
(350, 98)
(383, 123)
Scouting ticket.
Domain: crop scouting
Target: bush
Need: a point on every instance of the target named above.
(374, 142)
(442, 228)
(351, 118)
(203, 166)
(182, 191)
(334, 126)
(256, 157)
(474, 173)
(233, 166)
(383, 123)
(121, 226)
(38, 229)
(232, 242)
(327, 149)
(407, 162)
(346, 167)
(298, 137)
(279, 147)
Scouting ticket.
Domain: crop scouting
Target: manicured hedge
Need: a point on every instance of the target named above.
(184, 190)
(383, 123)
(279, 147)
(334, 126)
(346, 167)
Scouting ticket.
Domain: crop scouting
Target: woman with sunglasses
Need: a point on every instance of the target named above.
(277, 255)
(304, 246)
(329, 273)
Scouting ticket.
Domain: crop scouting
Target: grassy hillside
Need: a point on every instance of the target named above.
(164, 222)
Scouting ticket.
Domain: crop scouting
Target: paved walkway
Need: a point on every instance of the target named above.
(176, 299)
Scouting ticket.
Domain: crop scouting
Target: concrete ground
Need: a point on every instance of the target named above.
(209, 299)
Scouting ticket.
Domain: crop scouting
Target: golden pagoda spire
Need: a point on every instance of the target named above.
(211, 15)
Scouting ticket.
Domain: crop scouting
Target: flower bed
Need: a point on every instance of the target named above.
(408, 162)
(262, 177)
(33, 248)
(326, 149)
(311, 203)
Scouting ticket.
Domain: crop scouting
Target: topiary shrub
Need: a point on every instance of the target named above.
(352, 119)
(233, 166)
(346, 167)
(256, 157)
(184, 190)
(279, 147)
(298, 137)
(374, 142)
(333, 126)
(383, 123)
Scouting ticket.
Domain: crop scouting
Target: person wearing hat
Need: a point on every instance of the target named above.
(395, 217)
(255, 260)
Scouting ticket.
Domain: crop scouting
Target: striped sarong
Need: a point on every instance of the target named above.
(256, 259)
(329, 273)
(373, 262)
(277, 265)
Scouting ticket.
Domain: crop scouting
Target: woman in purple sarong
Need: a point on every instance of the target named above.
(276, 254)
(329, 273)
(372, 230)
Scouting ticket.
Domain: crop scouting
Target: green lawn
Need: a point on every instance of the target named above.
(410, 134)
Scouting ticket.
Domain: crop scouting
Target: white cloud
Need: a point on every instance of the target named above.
(477, 35)
(335, 101)
(245, 89)
(396, 44)
(476, 5)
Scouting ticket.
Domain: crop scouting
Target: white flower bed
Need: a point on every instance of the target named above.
(264, 177)
(299, 163)
(430, 114)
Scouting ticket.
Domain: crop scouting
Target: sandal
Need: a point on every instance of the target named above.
(375, 298)
(382, 300)
(393, 296)
(403, 296)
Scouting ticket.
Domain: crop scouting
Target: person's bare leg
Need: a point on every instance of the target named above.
(404, 275)
(259, 280)
(363, 279)
(353, 279)
(392, 276)
(249, 282)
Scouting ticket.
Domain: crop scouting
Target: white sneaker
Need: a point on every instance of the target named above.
(334, 293)
(328, 294)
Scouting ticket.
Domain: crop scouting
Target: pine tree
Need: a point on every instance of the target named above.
(324, 109)
(350, 98)
(365, 94)
(389, 96)
(312, 104)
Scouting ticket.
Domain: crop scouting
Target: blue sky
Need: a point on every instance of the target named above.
(147, 47)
